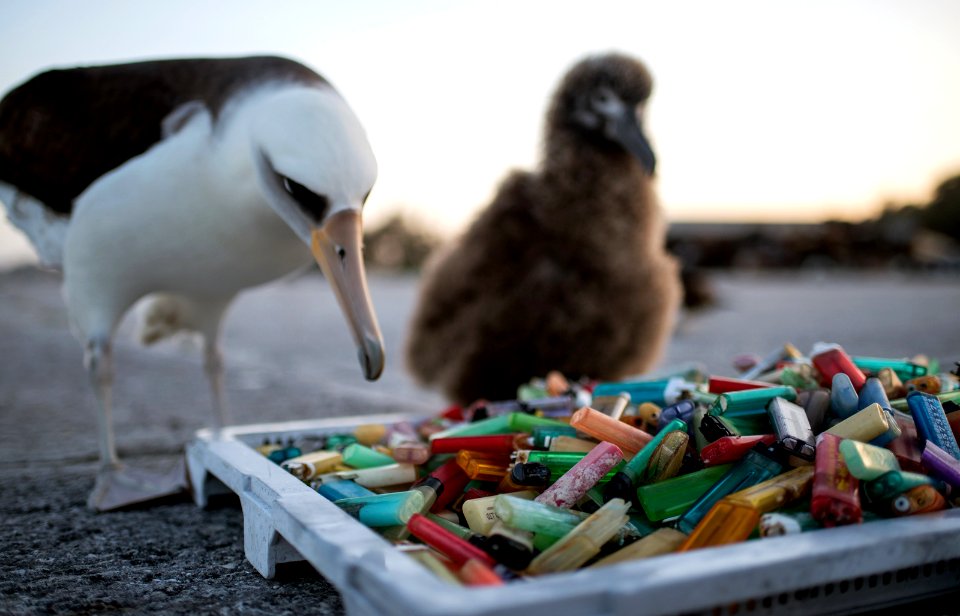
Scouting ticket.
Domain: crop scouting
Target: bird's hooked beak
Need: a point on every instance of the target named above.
(627, 129)
(337, 247)
(620, 122)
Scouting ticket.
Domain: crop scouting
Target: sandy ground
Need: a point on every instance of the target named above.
(289, 357)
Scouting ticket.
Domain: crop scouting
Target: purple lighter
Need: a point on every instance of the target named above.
(941, 464)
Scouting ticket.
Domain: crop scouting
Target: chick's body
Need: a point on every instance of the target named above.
(565, 270)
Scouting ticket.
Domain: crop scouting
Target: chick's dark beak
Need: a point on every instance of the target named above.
(627, 129)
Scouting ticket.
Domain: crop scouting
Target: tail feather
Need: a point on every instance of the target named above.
(45, 229)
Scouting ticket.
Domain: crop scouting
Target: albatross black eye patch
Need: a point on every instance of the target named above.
(310, 202)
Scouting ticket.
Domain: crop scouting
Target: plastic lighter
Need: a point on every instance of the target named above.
(361, 456)
(732, 448)
(307, 466)
(873, 392)
(493, 425)
(932, 423)
(445, 542)
(443, 485)
(864, 425)
(682, 410)
(503, 444)
(524, 422)
(530, 474)
(370, 434)
(667, 458)
(867, 462)
(583, 542)
(536, 517)
(903, 368)
(480, 514)
(411, 452)
(723, 384)
(659, 391)
(673, 496)
(602, 427)
(660, 541)
(344, 488)
(281, 453)
(792, 428)
(750, 401)
(921, 499)
(378, 477)
(573, 484)
(844, 400)
(549, 523)
(383, 509)
(776, 492)
(483, 467)
(835, 500)
(623, 483)
(726, 522)
(941, 464)
(833, 359)
(815, 403)
(758, 465)
(558, 462)
(891, 484)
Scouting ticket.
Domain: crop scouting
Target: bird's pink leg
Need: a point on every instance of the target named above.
(98, 360)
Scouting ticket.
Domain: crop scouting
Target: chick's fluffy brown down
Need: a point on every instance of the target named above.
(565, 269)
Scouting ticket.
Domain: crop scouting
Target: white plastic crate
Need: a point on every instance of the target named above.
(833, 570)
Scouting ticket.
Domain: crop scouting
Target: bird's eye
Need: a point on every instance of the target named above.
(310, 202)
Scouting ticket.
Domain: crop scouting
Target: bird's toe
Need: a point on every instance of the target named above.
(120, 486)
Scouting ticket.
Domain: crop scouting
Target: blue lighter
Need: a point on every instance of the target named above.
(931, 420)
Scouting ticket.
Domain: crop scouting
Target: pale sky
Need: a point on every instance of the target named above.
(762, 110)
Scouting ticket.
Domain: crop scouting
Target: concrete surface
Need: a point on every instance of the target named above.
(289, 357)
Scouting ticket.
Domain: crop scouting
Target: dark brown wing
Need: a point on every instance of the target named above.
(63, 129)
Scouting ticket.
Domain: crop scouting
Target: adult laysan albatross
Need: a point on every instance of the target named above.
(187, 180)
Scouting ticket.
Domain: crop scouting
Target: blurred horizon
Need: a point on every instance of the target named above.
(761, 112)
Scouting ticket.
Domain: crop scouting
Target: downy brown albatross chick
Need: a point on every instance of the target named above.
(190, 180)
(566, 269)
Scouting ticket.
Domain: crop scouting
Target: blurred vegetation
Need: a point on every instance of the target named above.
(399, 244)
(902, 236)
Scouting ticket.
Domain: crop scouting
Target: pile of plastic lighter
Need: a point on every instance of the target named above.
(591, 474)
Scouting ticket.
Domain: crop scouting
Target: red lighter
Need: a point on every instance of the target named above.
(834, 360)
(732, 448)
(835, 500)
